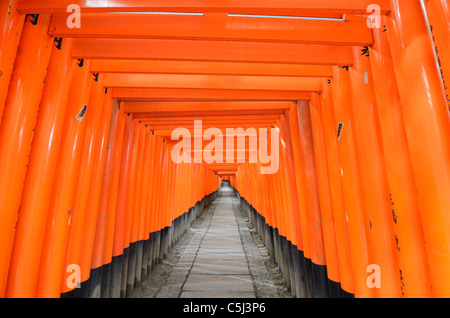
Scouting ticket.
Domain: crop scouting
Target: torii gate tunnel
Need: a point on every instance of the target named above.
(328, 119)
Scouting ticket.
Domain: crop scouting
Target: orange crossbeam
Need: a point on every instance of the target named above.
(167, 132)
(316, 8)
(214, 27)
(141, 94)
(311, 84)
(205, 114)
(164, 106)
(225, 170)
(214, 123)
(206, 132)
(226, 173)
(193, 151)
(222, 166)
(208, 119)
(243, 125)
(246, 148)
(200, 50)
(209, 68)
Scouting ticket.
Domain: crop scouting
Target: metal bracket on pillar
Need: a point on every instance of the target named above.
(339, 131)
(58, 42)
(365, 51)
(34, 18)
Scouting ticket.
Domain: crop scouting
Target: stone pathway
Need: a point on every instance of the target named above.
(221, 259)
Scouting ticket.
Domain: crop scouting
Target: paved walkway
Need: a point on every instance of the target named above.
(221, 259)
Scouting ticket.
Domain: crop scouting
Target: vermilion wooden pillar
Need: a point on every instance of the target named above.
(118, 252)
(83, 188)
(330, 127)
(16, 130)
(405, 210)
(372, 175)
(359, 244)
(40, 175)
(326, 210)
(11, 26)
(427, 123)
(438, 13)
(316, 239)
(63, 193)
